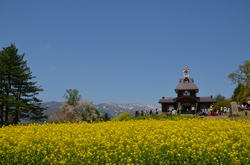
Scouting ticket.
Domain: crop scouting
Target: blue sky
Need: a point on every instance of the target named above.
(128, 51)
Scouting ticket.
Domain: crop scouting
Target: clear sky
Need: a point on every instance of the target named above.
(130, 51)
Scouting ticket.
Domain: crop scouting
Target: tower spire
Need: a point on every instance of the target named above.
(186, 71)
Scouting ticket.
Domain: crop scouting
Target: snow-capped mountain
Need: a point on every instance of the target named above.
(115, 109)
(111, 108)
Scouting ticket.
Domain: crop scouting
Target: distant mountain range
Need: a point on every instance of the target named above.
(111, 109)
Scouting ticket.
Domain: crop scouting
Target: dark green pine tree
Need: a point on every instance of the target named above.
(2, 93)
(18, 91)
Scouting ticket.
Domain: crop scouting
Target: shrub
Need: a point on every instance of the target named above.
(123, 116)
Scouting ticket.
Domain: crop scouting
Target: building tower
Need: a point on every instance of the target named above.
(187, 100)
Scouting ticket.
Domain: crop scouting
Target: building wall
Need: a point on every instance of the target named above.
(201, 106)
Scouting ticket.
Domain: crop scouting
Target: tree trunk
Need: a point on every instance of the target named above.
(1, 115)
(7, 105)
(16, 118)
(7, 114)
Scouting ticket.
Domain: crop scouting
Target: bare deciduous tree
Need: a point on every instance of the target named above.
(62, 116)
(85, 111)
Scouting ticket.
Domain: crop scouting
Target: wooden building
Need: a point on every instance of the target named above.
(187, 100)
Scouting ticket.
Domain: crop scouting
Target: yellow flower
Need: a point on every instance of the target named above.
(128, 142)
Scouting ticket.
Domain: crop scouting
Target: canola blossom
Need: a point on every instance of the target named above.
(183, 141)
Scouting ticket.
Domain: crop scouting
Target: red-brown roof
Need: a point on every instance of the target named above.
(166, 100)
(207, 99)
(186, 84)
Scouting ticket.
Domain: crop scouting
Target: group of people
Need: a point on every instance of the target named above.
(214, 112)
(146, 113)
(211, 111)
(223, 110)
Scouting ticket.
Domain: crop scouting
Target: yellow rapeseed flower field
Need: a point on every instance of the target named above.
(183, 141)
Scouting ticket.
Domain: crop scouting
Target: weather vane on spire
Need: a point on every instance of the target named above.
(186, 71)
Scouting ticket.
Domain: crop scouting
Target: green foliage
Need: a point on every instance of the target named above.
(224, 103)
(241, 93)
(221, 101)
(106, 117)
(123, 116)
(242, 78)
(219, 97)
(242, 74)
(17, 91)
(72, 96)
